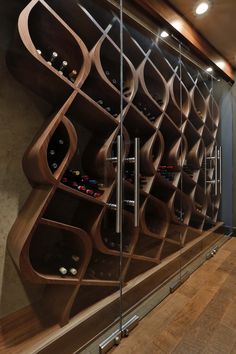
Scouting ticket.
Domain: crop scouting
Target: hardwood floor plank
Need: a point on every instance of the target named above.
(199, 333)
(222, 340)
(203, 318)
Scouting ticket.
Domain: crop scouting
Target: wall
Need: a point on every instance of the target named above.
(227, 103)
(233, 95)
(21, 115)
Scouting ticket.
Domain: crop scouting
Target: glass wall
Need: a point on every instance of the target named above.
(127, 171)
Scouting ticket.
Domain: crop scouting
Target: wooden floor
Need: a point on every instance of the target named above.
(200, 317)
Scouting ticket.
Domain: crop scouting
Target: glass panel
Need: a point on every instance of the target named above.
(156, 114)
(127, 170)
(223, 96)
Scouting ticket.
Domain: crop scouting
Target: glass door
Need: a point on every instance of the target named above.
(154, 118)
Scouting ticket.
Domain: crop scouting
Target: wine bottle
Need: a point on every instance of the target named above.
(63, 271)
(73, 271)
(83, 183)
(39, 51)
(63, 66)
(72, 75)
(52, 58)
(52, 152)
(54, 165)
(75, 258)
(152, 119)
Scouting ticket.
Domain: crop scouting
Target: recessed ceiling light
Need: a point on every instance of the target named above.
(209, 70)
(177, 25)
(202, 8)
(220, 64)
(164, 34)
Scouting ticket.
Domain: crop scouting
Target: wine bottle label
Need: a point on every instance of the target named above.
(63, 270)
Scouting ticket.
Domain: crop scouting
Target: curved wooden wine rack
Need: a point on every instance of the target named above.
(172, 132)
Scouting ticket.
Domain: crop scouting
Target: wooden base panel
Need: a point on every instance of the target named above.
(31, 331)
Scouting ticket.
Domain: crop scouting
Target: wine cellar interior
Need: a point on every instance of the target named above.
(69, 53)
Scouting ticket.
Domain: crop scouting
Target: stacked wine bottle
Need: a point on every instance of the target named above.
(61, 65)
(82, 183)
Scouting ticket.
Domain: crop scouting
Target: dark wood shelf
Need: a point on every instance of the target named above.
(176, 119)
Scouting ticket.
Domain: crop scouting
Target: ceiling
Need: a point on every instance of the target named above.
(217, 25)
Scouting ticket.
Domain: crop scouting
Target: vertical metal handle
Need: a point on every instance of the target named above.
(119, 186)
(220, 167)
(205, 171)
(136, 181)
(216, 170)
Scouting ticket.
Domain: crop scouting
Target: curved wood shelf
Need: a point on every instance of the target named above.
(86, 24)
(64, 239)
(151, 153)
(178, 108)
(41, 163)
(154, 83)
(154, 218)
(58, 217)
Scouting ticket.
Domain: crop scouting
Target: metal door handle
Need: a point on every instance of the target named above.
(205, 171)
(136, 181)
(119, 186)
(216, 170)
(220, 167)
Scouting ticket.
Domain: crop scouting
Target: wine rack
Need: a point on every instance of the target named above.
(177, 134)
